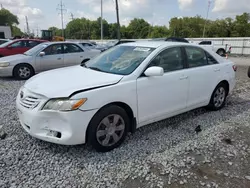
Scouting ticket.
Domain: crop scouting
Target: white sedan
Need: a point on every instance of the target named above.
(43, 57)
(122, 89)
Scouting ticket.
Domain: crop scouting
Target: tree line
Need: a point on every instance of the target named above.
(138, 28)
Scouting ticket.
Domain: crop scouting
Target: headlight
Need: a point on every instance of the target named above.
(64, 104)
(4, 64)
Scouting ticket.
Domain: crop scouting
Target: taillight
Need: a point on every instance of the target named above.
(235, 68)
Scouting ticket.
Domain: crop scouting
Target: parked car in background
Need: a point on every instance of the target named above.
(92, 45)
(43, 57)
(2, 41)
(117, 42)
(219, 49)
(124, 88)
(171, 39)
(18, 46)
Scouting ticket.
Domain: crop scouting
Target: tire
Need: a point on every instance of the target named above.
(218, 98)
(221, 52)
(106, 140)
(23, 72)
(248, 72)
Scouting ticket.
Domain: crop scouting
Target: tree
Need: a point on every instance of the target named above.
(138, 28)
(242, 25)
(7, 18)
(16, 31)
(159, 31)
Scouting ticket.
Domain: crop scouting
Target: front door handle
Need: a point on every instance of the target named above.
(59, 58)
(183, 77)
(216, 70)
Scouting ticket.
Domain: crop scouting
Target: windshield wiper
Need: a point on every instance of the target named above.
(95, 68)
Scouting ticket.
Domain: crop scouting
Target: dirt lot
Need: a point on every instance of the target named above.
(165, 154)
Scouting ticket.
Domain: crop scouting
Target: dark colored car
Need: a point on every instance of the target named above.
(18, 46)
(171, 39)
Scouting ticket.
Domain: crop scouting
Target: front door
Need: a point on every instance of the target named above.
(52, 59)
(162, 95)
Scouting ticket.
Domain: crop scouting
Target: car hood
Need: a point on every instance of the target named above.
(65, 81)
(14, 58)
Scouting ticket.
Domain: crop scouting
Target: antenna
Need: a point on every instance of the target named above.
(62, 10)
(209, 4)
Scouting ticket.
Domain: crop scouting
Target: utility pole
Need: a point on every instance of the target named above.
(27, 25)
(101, 21)
(118, 21)
(1, 6)
(204, 30)
(72, 16)
(61, 9)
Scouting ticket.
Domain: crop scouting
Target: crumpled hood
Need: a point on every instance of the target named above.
(65, 81)
(16, 58)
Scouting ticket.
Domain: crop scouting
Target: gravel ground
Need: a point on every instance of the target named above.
(165, 154)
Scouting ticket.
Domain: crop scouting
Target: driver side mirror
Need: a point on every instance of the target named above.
(154, 71)
(42, 54)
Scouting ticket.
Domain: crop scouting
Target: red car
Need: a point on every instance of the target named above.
(18, 46)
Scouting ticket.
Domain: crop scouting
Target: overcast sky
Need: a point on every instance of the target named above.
(43, 13)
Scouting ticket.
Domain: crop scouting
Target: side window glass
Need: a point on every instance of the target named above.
(210, 59)
(71, 48)
(32, 44)
(196, 57)
(18, 44)
(53, 50)
(169, 59)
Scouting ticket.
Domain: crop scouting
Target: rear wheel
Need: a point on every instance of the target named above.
(23, 72)
(218, 98)
(108, 129)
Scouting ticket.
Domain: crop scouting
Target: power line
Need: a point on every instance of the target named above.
(62, 10)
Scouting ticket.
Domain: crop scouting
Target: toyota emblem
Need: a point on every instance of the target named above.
(21, 94)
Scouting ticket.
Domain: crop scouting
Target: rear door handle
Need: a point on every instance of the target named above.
(81, 56)
(216, 70)
(59, 58)
(183, 77)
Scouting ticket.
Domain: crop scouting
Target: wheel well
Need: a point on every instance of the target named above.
(226, 84)
(23, 64)
(129, 111)
(221, 49)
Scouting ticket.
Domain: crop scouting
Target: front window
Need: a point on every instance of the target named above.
(121, 60)
(6, 44)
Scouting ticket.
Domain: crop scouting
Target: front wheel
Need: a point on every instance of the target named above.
(23, 72)
(108, 128)
(218, 98)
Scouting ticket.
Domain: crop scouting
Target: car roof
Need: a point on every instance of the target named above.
(30, 40)
(156, 44)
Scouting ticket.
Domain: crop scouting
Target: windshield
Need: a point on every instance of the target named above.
(35, 49)
(5, 44)
(121, 60)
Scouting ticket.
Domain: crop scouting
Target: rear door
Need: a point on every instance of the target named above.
(73, 54)
(203, 72)
(53, 57)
